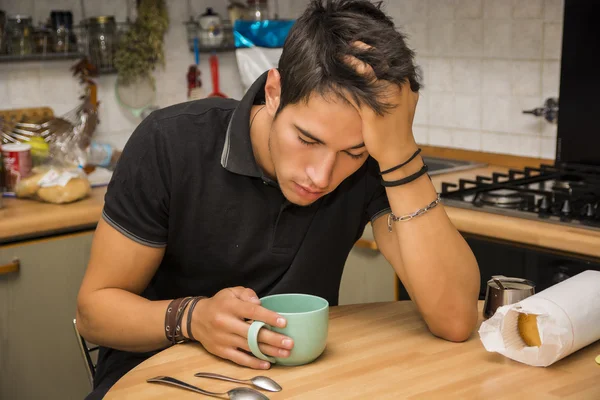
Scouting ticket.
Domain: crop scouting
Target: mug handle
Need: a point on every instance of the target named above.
(253, 340)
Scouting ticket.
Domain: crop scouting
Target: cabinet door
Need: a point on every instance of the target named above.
(367, 277)
(39, 354)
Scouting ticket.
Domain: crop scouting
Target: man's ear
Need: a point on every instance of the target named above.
(273, 91)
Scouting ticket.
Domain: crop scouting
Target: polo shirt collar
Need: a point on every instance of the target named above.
(237, 155)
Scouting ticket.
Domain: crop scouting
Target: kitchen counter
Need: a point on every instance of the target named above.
(23, 219)
(30, 219)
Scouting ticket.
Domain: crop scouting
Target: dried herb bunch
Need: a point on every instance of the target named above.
(141, 48)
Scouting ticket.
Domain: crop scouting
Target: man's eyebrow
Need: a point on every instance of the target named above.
(310, 136)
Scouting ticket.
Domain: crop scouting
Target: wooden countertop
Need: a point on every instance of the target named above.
(24, 219)
(379, 351)
(20, 219)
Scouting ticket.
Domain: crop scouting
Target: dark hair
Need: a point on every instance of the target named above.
(312, 58)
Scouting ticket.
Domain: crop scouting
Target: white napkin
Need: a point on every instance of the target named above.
(568, 319)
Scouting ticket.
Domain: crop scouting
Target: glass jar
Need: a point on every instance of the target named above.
(19, 30)
(62, 24)
(102, 41)
(258, 10)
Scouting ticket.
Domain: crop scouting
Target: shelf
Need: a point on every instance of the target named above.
(41, 57)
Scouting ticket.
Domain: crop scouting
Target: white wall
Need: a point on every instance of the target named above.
(483, 60)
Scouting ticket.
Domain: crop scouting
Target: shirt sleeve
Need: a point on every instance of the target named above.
(137, 198)
(378, 204)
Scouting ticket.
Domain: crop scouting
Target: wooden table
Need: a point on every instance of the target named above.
(380, 351)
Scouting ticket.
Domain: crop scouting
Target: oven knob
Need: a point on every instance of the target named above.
(560, 276)
(565, 211)
(544, 205)
(588, 211)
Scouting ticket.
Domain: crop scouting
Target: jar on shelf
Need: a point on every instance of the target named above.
(19, 30)
(62, 25)
(102, 41)
(258, 10)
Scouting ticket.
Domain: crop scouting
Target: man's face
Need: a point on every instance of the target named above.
(314, 146)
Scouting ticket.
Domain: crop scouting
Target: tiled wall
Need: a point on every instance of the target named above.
(484, 61)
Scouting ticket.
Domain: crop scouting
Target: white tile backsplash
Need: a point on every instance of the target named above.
(440, 75)
(468, 38)
(441, 110)
(466, 139)
(441, 38)
(526, 79)
(404, 11)
(554, 10)
(417, 36)
(552, 40)
(467, 73)
(527, 9)
(497, 35)
(441, 9)
(496, 77)
(527, 39)
(496, 113)
(548, 148)
(483, 62)
(469, 9)
(525, 124)
(440, 136)
(550, 78)
(467, 111)
(497, 9)
(421, 134)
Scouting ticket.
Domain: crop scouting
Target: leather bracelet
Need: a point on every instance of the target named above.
(189, 316)
(171, 318)
(406, 180)
(178, 337)
(387, 171)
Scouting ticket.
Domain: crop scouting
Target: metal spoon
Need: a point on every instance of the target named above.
(261, 382)
(240, 393)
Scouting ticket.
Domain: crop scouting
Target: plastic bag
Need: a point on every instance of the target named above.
(54, 184)
(258, 46)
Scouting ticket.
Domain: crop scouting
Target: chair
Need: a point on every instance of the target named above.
(86, 352)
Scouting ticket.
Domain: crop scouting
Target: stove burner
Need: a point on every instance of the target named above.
(567, 185)
(504, 198)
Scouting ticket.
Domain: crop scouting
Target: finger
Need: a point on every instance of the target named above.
(265, 336)
(244, 294)
(361, 67)
(244, 359)
(273, 351)
(246, 310)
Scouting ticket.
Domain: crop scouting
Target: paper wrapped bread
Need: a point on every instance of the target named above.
(549, 325)
(55, 186)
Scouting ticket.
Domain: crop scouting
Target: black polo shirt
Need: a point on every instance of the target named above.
(188, 181)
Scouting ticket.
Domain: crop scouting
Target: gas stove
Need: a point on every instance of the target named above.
(565, 194)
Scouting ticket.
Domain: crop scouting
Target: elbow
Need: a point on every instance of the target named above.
(82, 317)
(456, 327)
(457, 332)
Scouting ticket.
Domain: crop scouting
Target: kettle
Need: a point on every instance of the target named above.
(502, 290)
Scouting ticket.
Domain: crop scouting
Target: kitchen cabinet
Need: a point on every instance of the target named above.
(39, 353)
(367, 277)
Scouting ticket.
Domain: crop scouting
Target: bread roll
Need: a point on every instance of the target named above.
(528, 329)
(75, 189)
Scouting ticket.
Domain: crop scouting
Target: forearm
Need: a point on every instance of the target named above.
(437, 266)
(122, 320)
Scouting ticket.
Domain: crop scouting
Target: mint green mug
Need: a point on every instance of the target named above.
(307, 324)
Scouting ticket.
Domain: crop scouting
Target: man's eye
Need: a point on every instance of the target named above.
(306, 142)
(356, 156)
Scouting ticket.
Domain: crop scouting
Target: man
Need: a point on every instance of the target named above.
(236, 200)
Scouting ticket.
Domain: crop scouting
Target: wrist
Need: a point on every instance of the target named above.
(191, 314)
(398, 155)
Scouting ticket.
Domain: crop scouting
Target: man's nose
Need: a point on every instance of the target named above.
(321, 170)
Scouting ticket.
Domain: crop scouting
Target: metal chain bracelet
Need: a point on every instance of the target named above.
(392, 218)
